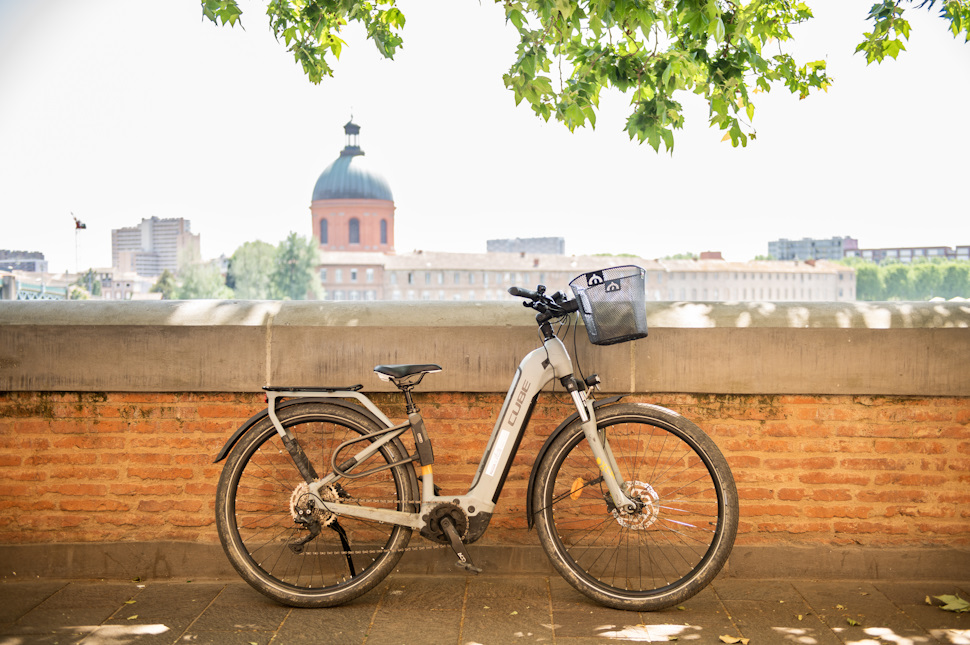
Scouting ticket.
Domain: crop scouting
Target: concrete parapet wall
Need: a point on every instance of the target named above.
(846, 426)
(227, 346)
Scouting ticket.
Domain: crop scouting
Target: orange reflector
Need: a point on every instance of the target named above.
(577, 488)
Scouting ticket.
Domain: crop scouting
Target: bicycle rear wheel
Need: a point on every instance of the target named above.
(261, 493)
(677, 541)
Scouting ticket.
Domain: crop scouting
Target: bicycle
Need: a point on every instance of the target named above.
(634, 505)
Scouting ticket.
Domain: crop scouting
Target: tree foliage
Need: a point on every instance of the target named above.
(294, 276)
(920, 280)
(202, 280)
(251, 270)
(569, 51)
(165, 285)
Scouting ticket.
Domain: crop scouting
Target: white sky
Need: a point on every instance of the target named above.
(117, 110)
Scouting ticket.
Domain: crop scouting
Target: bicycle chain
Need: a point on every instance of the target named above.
(371, 551)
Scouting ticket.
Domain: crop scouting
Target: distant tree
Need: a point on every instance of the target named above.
(956, 280)
(569, 51)
(251, 271)
(682, 256)
(868, 281)
(90, 282)
(896, 278)
(202, 280)
(294, 277)
(926, 280)
(165, 285)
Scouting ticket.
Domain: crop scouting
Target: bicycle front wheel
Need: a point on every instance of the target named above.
(266, 518)
(682, 532)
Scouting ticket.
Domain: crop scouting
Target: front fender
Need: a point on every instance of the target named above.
(530, 512)
(256, 418)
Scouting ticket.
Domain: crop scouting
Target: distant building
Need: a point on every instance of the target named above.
(544, 245)
(487, 276)
(834, 248)
(352, 214)
(154, 246)
(32, 261)
(908, 254)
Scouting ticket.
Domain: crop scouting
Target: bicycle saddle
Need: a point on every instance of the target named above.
(400, 371)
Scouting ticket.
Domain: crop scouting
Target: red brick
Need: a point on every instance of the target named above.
(801, 463)
(908, 479)
(840, 510)
(93, 505)
(755, 493)
(792, 494)
(830, 495)
(144, 472)
(859, 463)
(896, 496)
(834, 478)
(868, 527)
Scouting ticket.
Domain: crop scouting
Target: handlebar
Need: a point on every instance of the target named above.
(549, 307)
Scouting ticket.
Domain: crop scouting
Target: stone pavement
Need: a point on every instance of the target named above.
(487, 609)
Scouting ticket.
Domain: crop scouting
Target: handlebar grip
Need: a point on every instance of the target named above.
(524, 293)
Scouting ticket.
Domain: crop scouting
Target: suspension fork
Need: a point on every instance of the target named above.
(600, 446)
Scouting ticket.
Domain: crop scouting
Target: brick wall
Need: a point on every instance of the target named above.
(810, 470)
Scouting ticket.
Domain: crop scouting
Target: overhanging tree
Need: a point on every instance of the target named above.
(569, 51)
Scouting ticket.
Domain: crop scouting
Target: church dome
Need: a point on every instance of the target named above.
(350, 176)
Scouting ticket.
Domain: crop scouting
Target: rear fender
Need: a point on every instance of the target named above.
(529, 510)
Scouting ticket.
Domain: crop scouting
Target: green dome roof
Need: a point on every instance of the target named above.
(350, 176)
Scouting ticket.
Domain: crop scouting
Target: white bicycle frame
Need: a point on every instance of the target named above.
(535, 371)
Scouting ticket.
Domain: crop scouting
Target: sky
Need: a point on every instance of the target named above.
(119, 110)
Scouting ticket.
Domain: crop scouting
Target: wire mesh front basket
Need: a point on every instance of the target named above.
(612, 304)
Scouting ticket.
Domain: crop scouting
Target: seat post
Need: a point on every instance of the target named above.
(411, 407)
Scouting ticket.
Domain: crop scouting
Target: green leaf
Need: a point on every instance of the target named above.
(718, 30)
(954, 603)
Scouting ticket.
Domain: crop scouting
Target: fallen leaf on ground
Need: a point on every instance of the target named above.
(735, 639)
(133, 617)
(954, 603)
(853, 623)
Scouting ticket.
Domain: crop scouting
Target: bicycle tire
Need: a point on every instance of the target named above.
(674, 545)
(256, 506)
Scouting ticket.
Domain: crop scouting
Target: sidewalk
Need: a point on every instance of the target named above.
(485, 609)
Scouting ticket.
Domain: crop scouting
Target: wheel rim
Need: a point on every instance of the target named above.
(259, 512)
(668, 542)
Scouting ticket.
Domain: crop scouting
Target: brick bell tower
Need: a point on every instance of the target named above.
(352, 206)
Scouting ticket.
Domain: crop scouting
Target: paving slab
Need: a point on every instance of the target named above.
(469, 610)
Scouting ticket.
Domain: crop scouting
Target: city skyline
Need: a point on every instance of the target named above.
(103, 117)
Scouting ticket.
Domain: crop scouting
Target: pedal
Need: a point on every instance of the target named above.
(464, 560)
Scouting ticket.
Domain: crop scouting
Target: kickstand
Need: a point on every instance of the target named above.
(464, 560)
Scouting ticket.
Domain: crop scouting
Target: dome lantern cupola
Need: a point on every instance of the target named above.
(352, 149)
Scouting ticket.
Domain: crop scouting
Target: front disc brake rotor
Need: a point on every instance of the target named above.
(647, 514)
